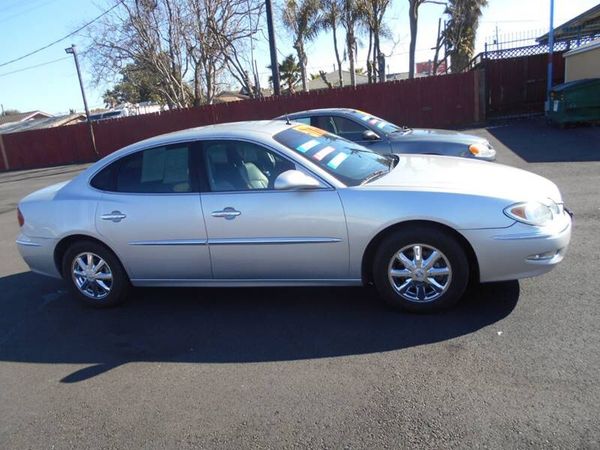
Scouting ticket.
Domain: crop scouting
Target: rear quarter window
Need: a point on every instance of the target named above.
(154, 171)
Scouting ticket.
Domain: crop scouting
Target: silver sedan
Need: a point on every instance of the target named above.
(279, 204)
(384, 137)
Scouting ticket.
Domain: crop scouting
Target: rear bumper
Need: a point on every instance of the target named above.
(38, 253)
(519, 251)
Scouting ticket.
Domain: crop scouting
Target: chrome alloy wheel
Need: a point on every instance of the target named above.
(92, 275)
(420, 273)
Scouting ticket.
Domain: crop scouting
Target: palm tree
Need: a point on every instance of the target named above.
(461, 31)
(304, 20)
(331, 20)
(289, 71)
(352, 13)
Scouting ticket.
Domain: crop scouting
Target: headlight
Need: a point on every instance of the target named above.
(480, 149)
(533, 213)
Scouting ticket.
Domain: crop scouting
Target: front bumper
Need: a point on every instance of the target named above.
(519, 251)
(38, 253)
(488, 156)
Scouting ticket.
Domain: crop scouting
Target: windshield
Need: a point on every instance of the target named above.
(350, 163)
(376, 122)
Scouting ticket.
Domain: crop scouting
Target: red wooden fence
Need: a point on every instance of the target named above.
(443, 101)
(518, 85)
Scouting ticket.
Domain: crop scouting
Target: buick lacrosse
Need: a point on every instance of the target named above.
(286, 204)
(382, 136)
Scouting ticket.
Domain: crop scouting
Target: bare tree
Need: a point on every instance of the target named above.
(149, 34)
(202, 49)
(186, 43)
(439, 44)
(413, 18)
(230, 26)
(374, 13)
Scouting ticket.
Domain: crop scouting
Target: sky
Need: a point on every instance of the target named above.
(26, 25)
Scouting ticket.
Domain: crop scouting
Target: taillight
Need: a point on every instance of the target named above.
(20, 217)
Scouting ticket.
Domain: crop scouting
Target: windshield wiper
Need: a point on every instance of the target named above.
(374, 176)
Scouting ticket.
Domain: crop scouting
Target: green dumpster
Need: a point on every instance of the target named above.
(575, 101)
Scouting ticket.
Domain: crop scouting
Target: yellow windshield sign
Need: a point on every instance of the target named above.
(311, 131)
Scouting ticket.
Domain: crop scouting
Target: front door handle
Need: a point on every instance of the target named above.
(115, 216)
(228, 213)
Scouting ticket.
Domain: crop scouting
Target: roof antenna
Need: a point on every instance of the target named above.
(287, 119)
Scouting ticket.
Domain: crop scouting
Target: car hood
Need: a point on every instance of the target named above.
(432, 135)
(461, 175)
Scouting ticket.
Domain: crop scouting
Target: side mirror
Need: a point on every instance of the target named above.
(294, 179)
(369, 135)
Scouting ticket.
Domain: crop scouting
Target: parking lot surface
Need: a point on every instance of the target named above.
(514, 365)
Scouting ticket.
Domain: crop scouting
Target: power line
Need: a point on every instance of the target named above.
(33, 7)
(8, 6)
(34, 66)
(64, 37)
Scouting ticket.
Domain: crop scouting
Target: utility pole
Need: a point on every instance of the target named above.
(438, 45)
(381, 67)
(273, 49)
(72, 50)
(550, 53)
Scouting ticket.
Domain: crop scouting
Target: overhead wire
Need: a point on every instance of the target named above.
(62, 38)
(34, 66)
(29, 8)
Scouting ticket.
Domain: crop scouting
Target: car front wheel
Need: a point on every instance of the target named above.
(94, 274)
(421, 270)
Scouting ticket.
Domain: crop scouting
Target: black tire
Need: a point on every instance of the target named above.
(119, 282)
(427, 238)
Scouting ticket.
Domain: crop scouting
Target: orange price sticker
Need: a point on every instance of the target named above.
(311, 131)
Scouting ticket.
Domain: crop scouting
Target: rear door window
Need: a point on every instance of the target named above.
(346, 128)
(349, 129)
(304, 120)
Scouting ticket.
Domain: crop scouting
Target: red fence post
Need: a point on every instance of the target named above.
(4, 161)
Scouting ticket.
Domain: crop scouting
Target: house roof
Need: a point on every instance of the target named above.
(585, 24)
(583, 48)
(229, 96)
(35, 124)
(397, 76)
(333, 78)
(20, 117)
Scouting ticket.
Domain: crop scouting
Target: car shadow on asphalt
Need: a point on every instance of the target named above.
(535, 141)
(40, 322)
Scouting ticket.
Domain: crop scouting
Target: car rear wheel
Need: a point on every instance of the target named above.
(94, 274)
(421, 270)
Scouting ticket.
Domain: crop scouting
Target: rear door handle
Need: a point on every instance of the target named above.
(115, 216)
(228, 213)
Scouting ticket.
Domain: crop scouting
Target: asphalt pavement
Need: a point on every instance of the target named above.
(515, 365)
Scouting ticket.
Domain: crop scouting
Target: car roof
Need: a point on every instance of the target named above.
(317, 112)
(230, 129)
(218, 131)
(221, 130)
(240, 130)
